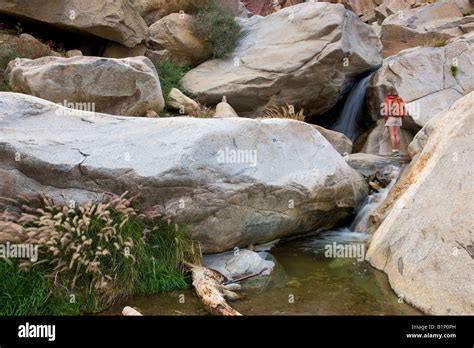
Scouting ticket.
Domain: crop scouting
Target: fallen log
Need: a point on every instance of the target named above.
(210, 290)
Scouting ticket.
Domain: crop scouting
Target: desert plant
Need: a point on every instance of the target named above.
(166, 248)
(101, 252)
(3, 84)
(19, 48)
(170, 76)
(21, 293)
(92, 247)
(203, 112)
(454, 70)
(287, 111)
(216, 25)
(437, 43)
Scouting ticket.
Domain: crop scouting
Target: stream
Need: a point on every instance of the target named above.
(304, 281)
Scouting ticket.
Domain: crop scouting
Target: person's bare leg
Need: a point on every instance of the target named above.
(397, 137)
(393, 140)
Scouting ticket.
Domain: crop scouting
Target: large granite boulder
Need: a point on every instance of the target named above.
(233, 182)
(429, 25)
(370, 165)
(115, 20)
(429, 79)
(426, 244)
(306, 55)
(127, 86)
(341, 143)
(175, 34)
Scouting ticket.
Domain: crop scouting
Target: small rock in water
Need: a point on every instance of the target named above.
(234, 266)
(374, 186)
(294, 284)
(233, 287)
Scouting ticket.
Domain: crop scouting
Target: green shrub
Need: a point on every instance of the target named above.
(454, 70)
(217, 27)
(3, 84)
(170, 77)
(99, 253)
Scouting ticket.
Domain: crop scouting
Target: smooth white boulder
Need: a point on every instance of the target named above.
(233, 182)
(305, 55)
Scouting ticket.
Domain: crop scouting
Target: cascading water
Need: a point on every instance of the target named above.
(356, 231)
(374, 200)
(347, 121)
(322, 285)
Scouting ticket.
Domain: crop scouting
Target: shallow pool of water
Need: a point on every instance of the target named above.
(308, 283)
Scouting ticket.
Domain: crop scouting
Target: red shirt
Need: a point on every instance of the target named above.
(394, 107)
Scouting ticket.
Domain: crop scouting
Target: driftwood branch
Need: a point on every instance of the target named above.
(245, 277)
(210, 290)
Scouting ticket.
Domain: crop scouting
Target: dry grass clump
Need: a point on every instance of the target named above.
(203, 112)
(287, 111)
(106, 250)
(437, 43)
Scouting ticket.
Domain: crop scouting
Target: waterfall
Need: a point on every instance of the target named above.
(347, 121)
(374, 200)
(356, 232)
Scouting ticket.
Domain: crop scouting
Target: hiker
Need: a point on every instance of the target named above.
(395, 110)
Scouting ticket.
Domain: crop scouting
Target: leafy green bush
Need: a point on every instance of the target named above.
(217, 27)
(170, 76)
(454, 70)
(99, 253)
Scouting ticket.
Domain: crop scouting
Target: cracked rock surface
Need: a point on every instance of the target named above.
(294, 182)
